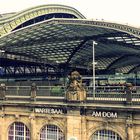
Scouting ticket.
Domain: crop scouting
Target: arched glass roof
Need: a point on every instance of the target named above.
(67, 43)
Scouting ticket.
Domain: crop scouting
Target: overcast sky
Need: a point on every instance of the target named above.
(120, 11)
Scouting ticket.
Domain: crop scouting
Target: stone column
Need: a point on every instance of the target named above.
(33, 127)
(75, 125)
(128, 91)
(84, 128)
(129, 128)
(130, 135)
(33, 91)
(2, 91)
(3, 133)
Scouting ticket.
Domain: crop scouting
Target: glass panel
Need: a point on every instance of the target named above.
(105, 135)
(18, 131)
(51, 132)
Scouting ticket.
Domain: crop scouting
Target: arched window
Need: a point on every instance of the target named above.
(105, 135)
(18, 131)
(51, 132)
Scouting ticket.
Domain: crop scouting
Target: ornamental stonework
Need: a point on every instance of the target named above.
(75, 89)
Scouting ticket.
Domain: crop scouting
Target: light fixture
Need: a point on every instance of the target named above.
(2, 51)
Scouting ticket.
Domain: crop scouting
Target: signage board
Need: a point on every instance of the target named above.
(51, 110)
(101, 113)
(104, 114)
(87, 112)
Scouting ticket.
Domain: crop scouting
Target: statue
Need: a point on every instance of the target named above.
(75, 89)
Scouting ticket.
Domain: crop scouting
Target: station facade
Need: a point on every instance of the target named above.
(49, 41)
(68, 122)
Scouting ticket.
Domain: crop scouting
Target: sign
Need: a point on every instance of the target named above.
(105, 114)
(99, 113)
(49, 110)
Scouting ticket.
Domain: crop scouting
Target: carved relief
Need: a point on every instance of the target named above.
(75, 89)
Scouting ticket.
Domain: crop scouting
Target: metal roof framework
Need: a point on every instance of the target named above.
(67, 44)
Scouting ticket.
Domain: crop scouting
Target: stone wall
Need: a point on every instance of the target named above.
(73, 123)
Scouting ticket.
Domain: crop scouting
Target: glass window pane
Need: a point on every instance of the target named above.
(51, 132)
(105, 135)
(18, 131)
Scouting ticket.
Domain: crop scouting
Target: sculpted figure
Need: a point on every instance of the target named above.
(75, 89)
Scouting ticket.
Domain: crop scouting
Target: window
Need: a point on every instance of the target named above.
(105, 135)
(18, 131)
(51, 132)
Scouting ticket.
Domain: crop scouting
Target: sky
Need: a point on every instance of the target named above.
(120, 11)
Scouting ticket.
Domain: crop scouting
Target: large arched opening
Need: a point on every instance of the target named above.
(51, 132)
(105, 135)
(18, 131)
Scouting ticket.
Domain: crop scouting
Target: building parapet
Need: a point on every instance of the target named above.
(103, 94)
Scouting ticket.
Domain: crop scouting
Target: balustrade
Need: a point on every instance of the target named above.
(102, 93)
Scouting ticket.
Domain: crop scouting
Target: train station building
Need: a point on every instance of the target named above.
(65, 77)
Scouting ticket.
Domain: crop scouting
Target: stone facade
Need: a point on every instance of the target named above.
(75, 122)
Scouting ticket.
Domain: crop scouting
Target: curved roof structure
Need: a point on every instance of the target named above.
(60, 37)
(11, 22)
